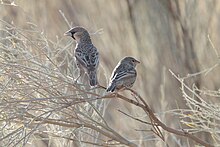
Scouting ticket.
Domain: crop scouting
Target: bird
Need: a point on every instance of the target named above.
(86, 54)
(123, 75)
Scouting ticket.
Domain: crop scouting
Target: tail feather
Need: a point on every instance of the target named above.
(93, 78)
(111, 87)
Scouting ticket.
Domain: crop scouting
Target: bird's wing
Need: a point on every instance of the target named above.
(88, 57)
(121, 73)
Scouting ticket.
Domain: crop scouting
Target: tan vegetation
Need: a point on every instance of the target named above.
(177, 85)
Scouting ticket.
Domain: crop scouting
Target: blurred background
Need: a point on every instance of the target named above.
(162, 34)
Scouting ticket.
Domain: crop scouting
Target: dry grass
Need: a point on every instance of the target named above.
(41, 105)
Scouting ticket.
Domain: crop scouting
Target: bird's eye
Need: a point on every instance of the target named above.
(133, 60)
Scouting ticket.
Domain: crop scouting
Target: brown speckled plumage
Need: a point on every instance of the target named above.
(86, 54)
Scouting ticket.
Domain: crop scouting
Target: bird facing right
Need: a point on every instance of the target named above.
(124, 74)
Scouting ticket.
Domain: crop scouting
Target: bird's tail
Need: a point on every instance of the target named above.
(93, 78)
(111, 87)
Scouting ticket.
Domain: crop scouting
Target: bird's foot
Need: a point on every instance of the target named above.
(76, 80)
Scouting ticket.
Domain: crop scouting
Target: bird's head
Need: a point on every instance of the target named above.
(77, 33)
(131, 61)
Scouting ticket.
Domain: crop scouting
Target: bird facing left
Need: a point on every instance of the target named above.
(86, 54)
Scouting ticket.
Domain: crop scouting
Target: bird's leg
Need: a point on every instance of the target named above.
(80, 74)
(76, 79)
(122, 89)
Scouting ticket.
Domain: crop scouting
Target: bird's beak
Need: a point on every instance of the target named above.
(138, 62)
(68, 33)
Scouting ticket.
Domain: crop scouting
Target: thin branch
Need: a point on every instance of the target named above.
(147, 109)
(91, 126)
(139, 120)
